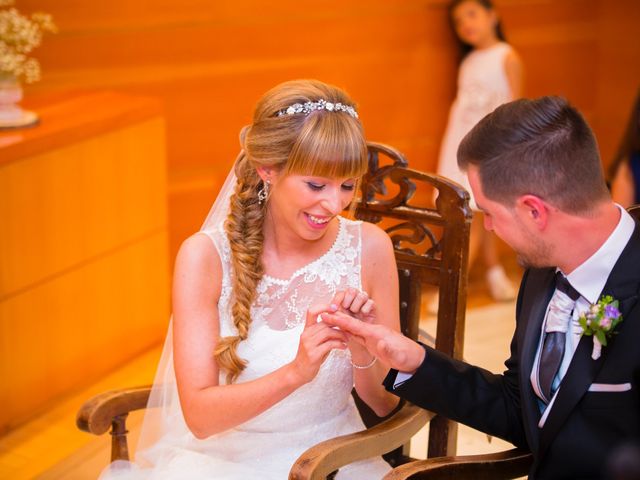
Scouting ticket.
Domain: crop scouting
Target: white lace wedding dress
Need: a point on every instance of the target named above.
(266, 446)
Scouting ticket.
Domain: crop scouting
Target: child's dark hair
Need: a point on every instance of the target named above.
(465, 48)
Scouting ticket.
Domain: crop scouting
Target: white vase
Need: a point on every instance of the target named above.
(11, 114)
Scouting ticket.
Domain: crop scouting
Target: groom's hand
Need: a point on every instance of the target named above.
(390, 346)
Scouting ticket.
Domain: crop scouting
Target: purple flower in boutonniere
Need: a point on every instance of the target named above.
(599, 321)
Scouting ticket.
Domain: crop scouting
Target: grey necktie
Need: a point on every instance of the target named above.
(558, 320)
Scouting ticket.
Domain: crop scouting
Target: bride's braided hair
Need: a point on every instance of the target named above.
(321, 143)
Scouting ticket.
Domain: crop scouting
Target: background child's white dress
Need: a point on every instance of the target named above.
(266, 446)
(482, 86)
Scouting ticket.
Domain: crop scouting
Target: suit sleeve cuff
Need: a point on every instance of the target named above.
(395, 378)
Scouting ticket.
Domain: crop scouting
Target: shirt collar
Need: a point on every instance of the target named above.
(589, 278)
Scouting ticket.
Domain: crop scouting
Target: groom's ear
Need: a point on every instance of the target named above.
(534, 210)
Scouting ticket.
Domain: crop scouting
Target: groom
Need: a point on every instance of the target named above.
(535, 172)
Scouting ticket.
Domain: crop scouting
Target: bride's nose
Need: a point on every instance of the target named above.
(332, 201)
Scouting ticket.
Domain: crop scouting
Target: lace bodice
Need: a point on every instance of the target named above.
(278, 317)
(282, 304)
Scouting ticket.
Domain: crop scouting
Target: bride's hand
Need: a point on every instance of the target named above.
(316, 341)
(357, 304)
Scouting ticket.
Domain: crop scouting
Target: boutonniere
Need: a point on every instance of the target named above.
(599, 321)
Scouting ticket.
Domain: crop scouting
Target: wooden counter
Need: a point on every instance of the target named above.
(83, 246)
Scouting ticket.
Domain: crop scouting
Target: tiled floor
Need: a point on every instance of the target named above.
(51, 447)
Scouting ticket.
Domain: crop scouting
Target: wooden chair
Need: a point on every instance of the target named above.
(505, 465)
(431, 247)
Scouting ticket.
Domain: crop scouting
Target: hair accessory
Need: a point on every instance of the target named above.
(364, 367)
(263, 192)
(309, 107)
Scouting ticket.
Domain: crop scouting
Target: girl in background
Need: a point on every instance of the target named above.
(625, 168)
(490, 74)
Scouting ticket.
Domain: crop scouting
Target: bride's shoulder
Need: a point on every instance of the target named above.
(375, 240)
(378, 260)
(198, 260)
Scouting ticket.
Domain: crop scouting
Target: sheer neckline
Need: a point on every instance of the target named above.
(299, 271)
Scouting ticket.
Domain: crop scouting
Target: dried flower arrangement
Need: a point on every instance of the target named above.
(19, 35)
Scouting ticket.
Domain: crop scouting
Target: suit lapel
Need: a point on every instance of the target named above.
(534, 307)
(622, 284)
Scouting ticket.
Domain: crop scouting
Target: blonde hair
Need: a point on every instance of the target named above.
(322, 143)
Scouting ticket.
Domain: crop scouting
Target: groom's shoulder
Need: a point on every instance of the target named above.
(534, 277)
(541, 272)
(634, 241)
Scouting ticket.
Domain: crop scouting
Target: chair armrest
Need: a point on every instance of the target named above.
(322, 459)
(493, 466)
(97, 413)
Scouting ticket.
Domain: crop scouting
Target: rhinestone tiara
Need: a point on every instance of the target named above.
(309, 107)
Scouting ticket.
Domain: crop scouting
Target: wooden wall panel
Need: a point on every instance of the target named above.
(210, 61)
(41, 198)
(585, 50)
(556, 41)
(84, 274)
(618, 75)
(75, 328)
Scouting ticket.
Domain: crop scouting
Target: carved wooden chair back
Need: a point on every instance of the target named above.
(431, 247)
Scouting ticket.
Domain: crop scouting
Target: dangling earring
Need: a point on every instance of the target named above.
(263, 192)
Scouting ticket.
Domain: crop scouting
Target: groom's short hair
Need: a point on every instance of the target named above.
(542, 147)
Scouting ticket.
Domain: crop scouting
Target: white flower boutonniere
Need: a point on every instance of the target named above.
(600, 321)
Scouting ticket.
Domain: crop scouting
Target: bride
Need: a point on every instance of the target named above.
(250, 376)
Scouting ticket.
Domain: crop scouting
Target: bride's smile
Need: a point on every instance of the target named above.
(317, 221)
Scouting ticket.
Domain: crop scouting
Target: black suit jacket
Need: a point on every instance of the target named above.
(583, 426)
